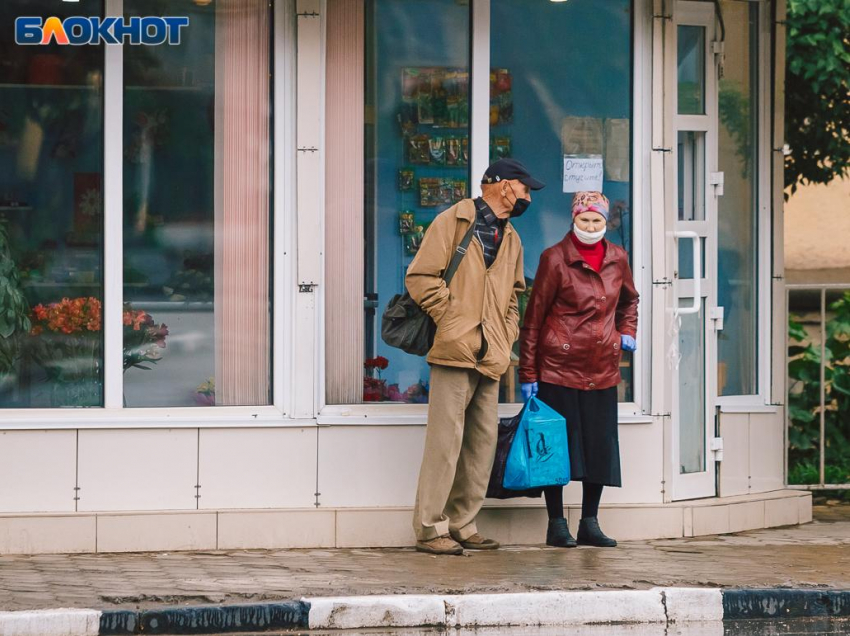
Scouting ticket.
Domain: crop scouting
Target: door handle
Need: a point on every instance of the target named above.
(693, 309)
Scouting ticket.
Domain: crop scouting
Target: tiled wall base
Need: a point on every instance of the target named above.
(377, 527)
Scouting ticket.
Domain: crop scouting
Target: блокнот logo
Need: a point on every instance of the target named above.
(78, 30)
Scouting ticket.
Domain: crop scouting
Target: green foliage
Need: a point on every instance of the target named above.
(804, 408)
(817, 85)
(735, 117)
(14, 310)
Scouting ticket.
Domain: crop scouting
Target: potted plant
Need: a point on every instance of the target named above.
(14, 310)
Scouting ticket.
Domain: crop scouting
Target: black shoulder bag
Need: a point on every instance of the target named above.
(405, 325)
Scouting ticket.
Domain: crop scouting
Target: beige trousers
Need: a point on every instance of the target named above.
(460, 445)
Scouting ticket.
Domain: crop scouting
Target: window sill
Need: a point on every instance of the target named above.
(188, 417)
(755, 407)
(417, 414)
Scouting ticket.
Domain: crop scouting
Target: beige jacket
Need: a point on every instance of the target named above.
(480, 300)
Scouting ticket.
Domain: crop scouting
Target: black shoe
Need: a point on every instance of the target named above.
(558, 534)
(589, 533)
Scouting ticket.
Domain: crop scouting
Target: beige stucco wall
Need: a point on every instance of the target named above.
(817, 227)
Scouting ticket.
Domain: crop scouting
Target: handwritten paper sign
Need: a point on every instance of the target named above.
(583, 172)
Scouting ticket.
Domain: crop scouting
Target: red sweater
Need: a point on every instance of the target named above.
(592, 254)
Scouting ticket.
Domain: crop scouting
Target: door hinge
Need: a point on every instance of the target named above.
(716, 315)
(717, 448)
(718, 47)
(717, 179)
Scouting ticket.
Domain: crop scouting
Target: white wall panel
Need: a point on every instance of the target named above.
(767, 447)
(364, 466)
(37, 471)
(641, 465)
(153, 469)
(735, 467)
(257, 468)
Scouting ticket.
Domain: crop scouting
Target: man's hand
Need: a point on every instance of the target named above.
(627, 343)
(528, 390)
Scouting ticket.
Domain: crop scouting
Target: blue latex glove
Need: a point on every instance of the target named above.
(627, 343)
(528, 390)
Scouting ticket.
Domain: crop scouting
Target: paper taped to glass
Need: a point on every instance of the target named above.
(617, 149)
(583, 172)
(582, 136)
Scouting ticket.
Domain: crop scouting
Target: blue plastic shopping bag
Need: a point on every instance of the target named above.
(539, 455)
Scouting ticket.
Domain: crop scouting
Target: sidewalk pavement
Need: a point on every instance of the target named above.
(813, 556)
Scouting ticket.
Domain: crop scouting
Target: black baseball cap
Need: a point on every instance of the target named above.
(510, 169)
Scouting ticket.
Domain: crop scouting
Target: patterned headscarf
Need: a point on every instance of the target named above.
(590, 201)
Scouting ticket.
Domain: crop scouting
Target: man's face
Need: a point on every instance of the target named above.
(511, 190)
(520, 190)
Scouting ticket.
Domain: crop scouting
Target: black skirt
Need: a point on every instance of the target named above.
(591, 431)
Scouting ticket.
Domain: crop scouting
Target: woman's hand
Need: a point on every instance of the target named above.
(528, 390)
(627, 343)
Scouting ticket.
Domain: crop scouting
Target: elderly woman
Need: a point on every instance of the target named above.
(582, 313)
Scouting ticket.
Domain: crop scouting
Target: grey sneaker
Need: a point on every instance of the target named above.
(477, 542)
(440, 545)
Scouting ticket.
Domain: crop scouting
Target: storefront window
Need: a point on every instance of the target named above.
(691, 70)
(738, 207)
(197, 224)
(562, 106)
(51, 215)
(562, 102)
(417, 161)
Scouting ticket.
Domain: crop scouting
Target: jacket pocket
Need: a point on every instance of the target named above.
(557, 339)
(450, 309)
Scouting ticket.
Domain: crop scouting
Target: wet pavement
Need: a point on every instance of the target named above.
(812, 556)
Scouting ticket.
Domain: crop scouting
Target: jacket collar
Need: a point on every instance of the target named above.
(466, 210)
(572, 255)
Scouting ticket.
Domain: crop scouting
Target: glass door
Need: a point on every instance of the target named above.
(694, 226)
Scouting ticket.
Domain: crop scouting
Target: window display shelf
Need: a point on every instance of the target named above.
(169, 88)
(80, 87)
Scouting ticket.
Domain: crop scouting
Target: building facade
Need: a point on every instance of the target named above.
(224, 218)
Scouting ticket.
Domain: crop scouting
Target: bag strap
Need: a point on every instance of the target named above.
(460, 252)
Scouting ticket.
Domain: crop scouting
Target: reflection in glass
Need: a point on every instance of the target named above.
(196, 210)
(691, 70)
(541, 111)
(691, 180)
(51, 215)
(417, 161)
(686, 258)
(737, 209)
(805, 344)
(691, 391)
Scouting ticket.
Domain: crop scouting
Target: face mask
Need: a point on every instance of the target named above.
(588, 238)
(520, 205)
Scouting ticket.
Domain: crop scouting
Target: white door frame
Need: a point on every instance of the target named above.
(695, 484)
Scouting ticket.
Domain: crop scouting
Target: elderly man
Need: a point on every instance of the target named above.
(477, 323)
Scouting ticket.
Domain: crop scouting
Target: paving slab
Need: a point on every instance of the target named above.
(815, 555)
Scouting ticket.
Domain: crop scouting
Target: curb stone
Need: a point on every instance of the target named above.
(52, 622)
(556, 608)
(655, 606)
(205, 619)
(785, 603)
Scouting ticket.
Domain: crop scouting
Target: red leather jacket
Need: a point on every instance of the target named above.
(572, 326)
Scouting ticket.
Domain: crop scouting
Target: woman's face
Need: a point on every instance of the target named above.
(590, 222)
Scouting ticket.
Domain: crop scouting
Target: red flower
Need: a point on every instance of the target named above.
(376, 363)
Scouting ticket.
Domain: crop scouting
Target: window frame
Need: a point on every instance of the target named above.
(638, 410)
(761, 401)
(113, 414)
